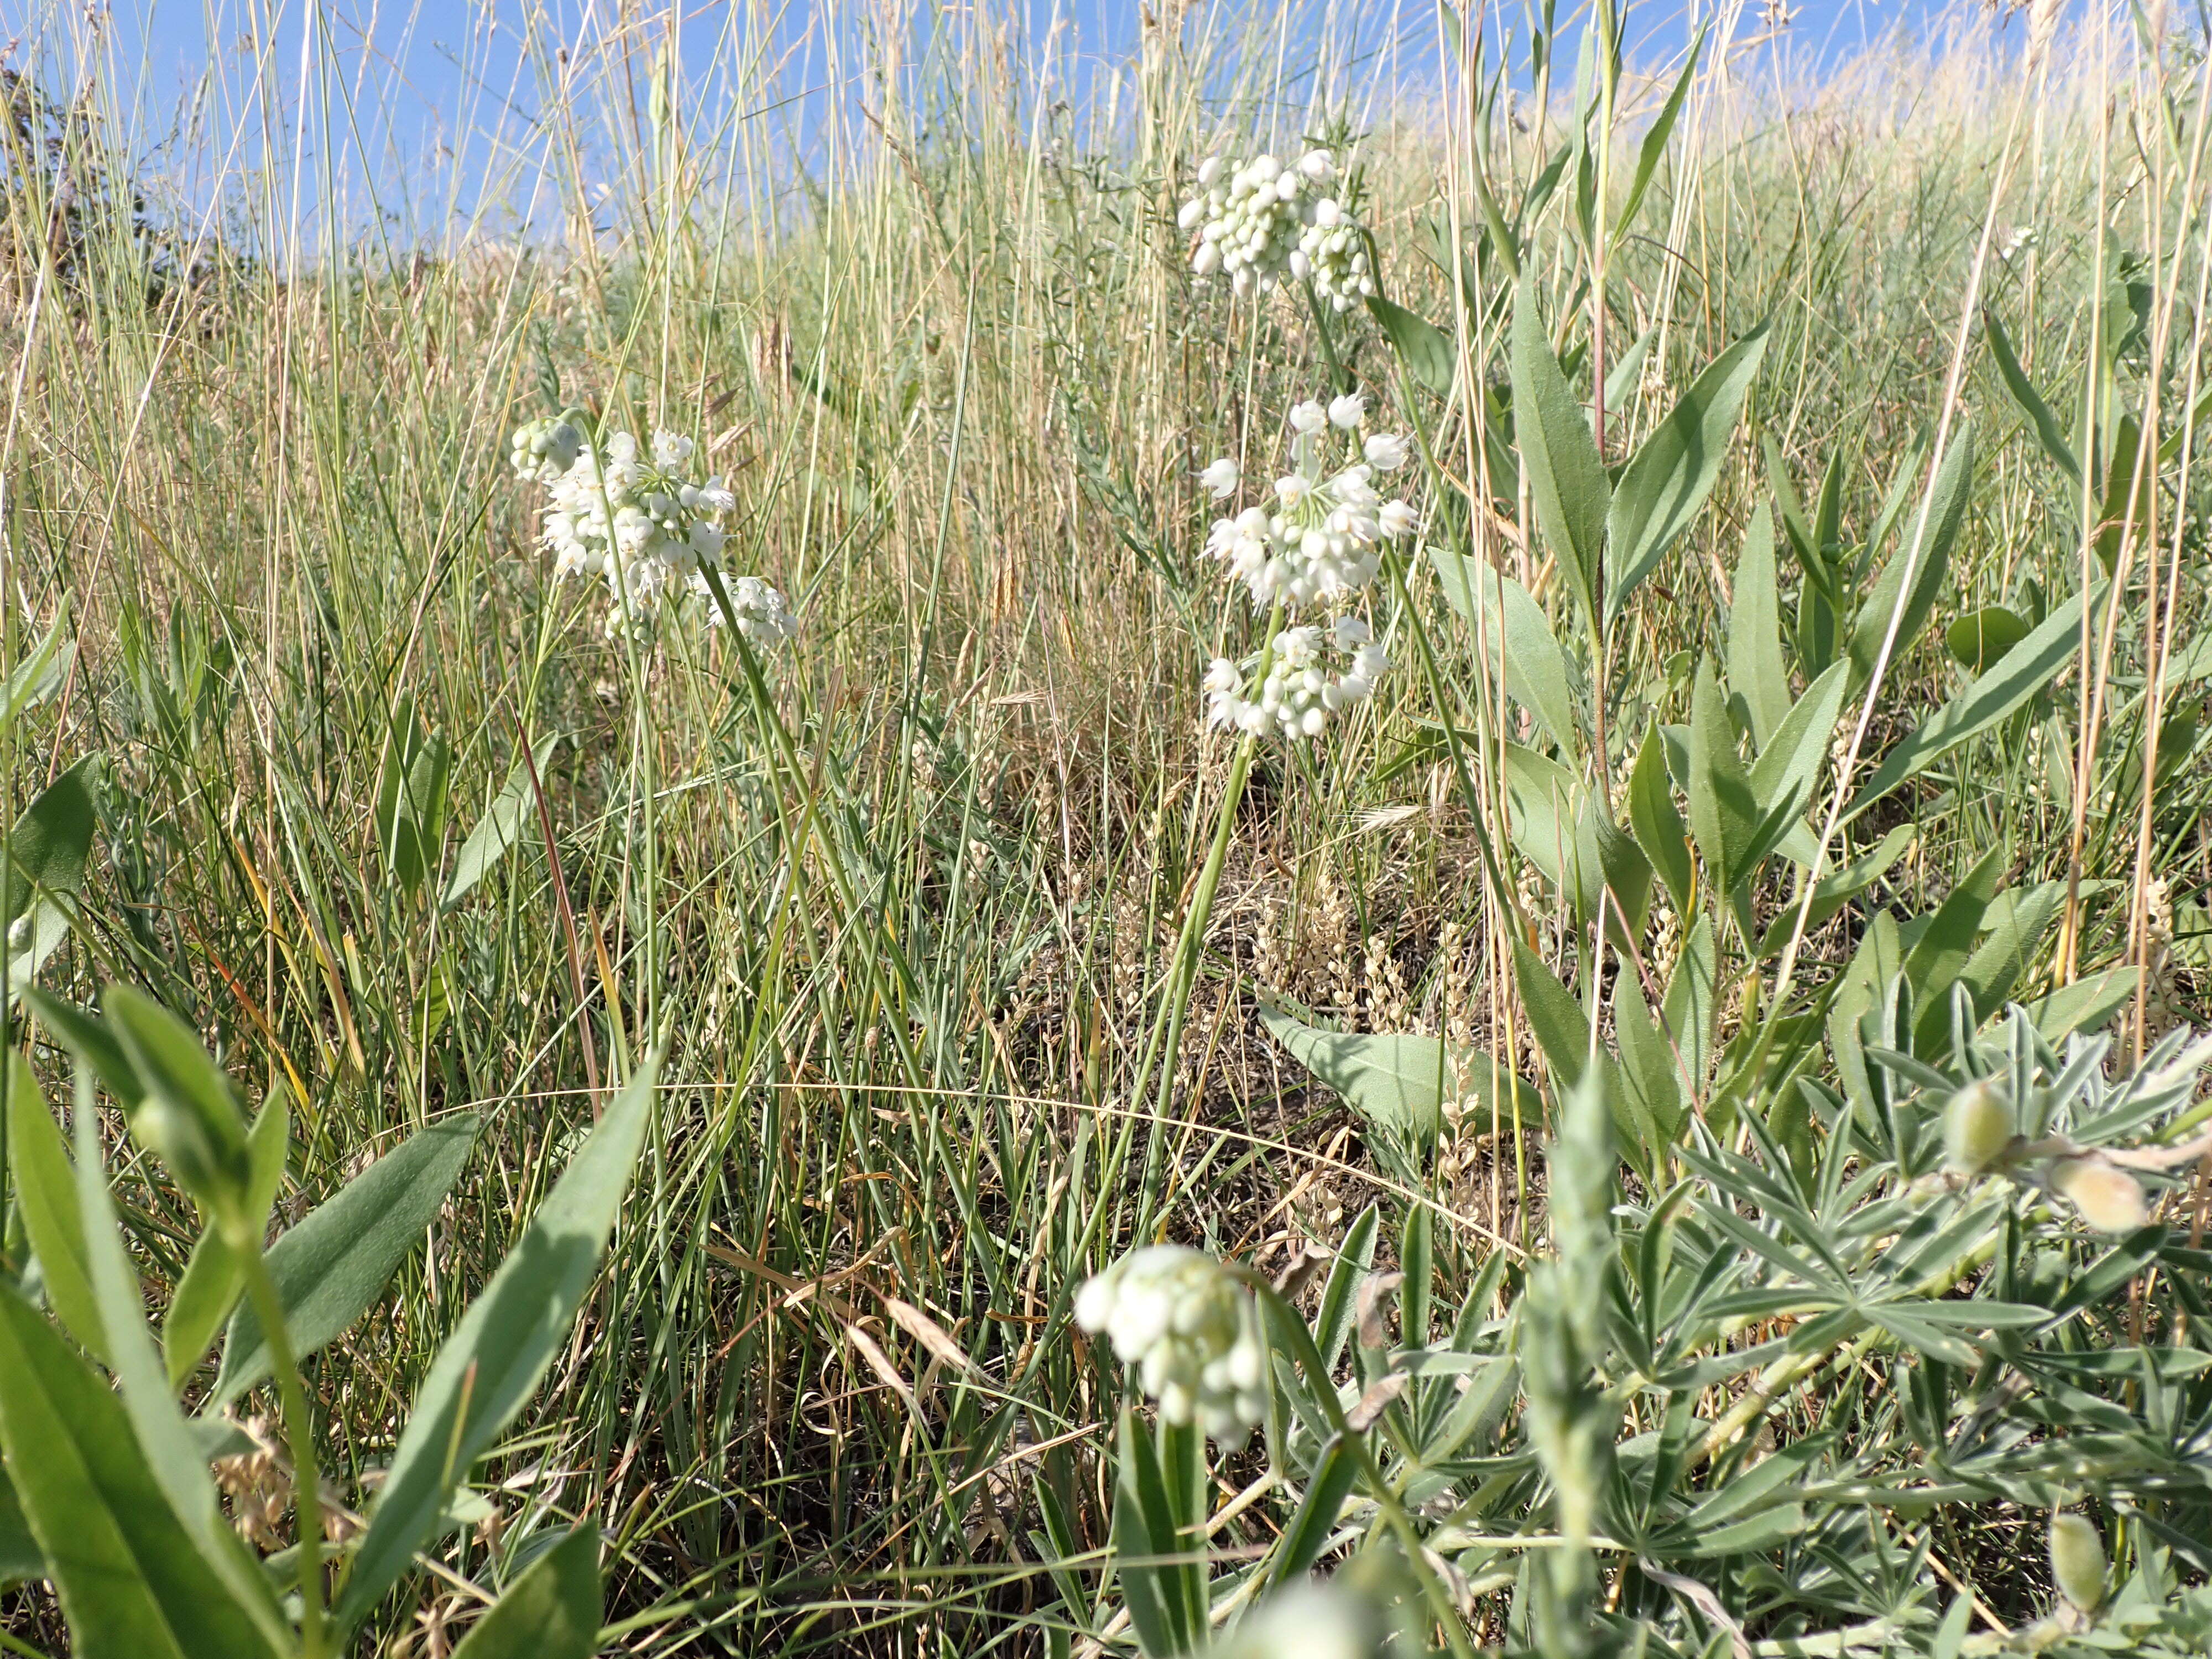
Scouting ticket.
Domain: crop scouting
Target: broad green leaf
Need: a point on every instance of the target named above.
(551, 1610)
(1534, 667)
(1562, 1031)
(1693, 1002)
(1558, 456)
(1725, 815)
(411, 798)
(172, 1453)
(1422, 347)
(1649, 1068)
(1979, 639)
(132, 1583)
(1399, 1082)
(40, 674)
(1656, 135)
(490, 1366)
(2048, 431)
(1923, 554)
(191, 1114)
(1948, 940)
(1755, 669)
(330, 1269)
(2024, 670)
(1540, 798)
(1614, 877)
(48, 849)
(1659, 828)
(2017, 923)
(2085, 1005)
(501, 826)
(213, 1280)
(1668, 479)
(92, 1042)
(45, 1193)
(20, 1558)
(1789, 764)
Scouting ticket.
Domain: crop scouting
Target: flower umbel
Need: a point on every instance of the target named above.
(1190, 1331)
(1300, 692)
(639, 518)
(1261, 220)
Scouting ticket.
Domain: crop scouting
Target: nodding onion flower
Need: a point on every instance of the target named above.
(1261, 220)
(636, 517)
(1317, 543)
(1189, 1330)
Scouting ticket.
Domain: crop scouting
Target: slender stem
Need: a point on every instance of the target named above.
(299, 1434)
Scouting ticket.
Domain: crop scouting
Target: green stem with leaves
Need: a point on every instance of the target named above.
(299, 1435)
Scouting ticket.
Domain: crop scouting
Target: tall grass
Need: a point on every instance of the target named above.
(939, 331)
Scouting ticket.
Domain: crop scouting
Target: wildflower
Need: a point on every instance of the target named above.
(1308, 417)
(1190, 1331)
(764, 617)
(1347, 411)
(635, 517)
(1220, 478)
(1385, 452)
(2077, 1560)
(1262, 220)
(1299, 693)
(2108, 1198)
(1396, 520)
(1977, 1126)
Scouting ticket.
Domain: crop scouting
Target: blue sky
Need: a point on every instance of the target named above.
(426, 102)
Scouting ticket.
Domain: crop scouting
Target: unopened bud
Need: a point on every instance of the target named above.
(2110, 1200)
(2077, 1560)
(1977, 1126)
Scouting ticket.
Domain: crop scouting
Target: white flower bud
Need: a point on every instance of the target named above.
(1220, 478)
(1209, 172)
(1347, 411)
(1385, 452)
(1309, 417)
(2077, 1560)
(2109, 1198)
(1188, 1330)
(1977, 1126)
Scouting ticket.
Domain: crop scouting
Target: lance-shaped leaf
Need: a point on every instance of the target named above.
(501, 824)
(551, 1610)
(1558, 456)
(1422, 347)
(45, 1198)
(2019, 675)
(2047, 429)
(1659, 828)
(132, 1583)
(1725, 815)
(214, 1279)
(1519, 639)
(48, 849)
(329, 1269)
(491, 1364)
(1909, 584)
(1673, 473)
(1399, 1082)
(1756, 672)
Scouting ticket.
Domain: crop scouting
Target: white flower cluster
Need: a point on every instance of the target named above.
(1299, 693)
(1260, 220)
(639, 520)
(1319, 544)
(1319, 541)
(1191, 1332)
(764, 617)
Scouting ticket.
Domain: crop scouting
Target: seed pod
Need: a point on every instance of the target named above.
(2110, 1200)
(2077, 1560)
(1977, 1126)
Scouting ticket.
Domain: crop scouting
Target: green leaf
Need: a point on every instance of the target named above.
(1924, 556)
(1562, 1031)
(132, 1583)
(490, 1366)
(1756, 672)
(1422, 347)
(1327, 1484)
(213, 1278)
(412, 796)
(2025, 670)
(501, 826)
(190, 1115)
(1614, 877)
(1648, 1064)
(330, 1269)
(1540, 798)
(48, 849)
(551, 1611)
(1659, 829)
(1667, 482)
(1656, 135)
(1693, 1001)
(1999, 962)
(1948, 940)
(1400, 1082)
(172, 1452)
(1725, 816)
(1980, 639)
(2047, 429)
(1558, 456)
(2085, 1005)
(1534, 667)
(92, 1042)
(39, 674)
(45, 1193)
(20, 1558)
(1838, 888)
(1788, 765)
